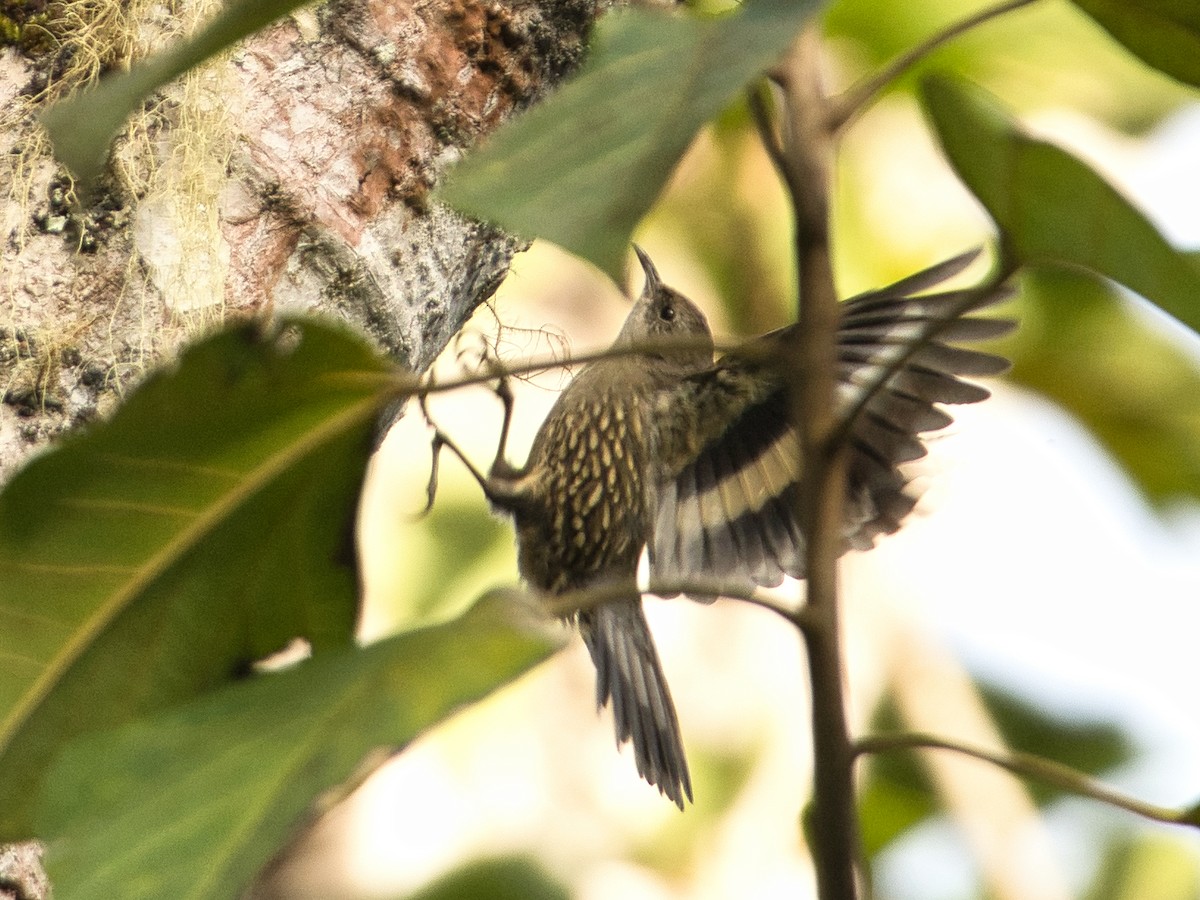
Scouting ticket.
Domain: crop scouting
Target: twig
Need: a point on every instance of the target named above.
(811, 368)
(766, 128)
(854, 100)
(576, 601)
(1036, 768)
(406, 385)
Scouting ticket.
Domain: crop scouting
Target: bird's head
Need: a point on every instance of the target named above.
(661, 314)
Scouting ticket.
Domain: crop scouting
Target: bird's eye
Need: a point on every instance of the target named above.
(666, 312)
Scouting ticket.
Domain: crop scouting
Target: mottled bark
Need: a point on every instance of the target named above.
(294, 174)
(21, 873)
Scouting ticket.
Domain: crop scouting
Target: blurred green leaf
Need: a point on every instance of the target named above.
(462, 534)
(1163, 33)
(1050, 207)
(205, 526)
(82, 126)
(1135, 388)
(510, 878)
(722, 776)
(1140, 865)
(1088, 746)
(893, 800)
(583, 167)
(895, 795)
(898, 795)
(192, 803)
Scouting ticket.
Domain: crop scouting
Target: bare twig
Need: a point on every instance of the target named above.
(805, 169)
(756, 100)
(576, 601)
(1036, 768)
(850, 104)
(407, 386)
(998, 819)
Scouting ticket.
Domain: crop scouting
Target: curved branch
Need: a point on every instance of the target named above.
(1035, 768)
(844, 108)
(576, 601)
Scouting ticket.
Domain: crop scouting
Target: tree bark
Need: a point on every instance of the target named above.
(293, 174)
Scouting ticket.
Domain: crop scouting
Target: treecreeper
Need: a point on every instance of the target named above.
(659, 448)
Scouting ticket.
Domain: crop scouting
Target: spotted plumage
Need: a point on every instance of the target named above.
(695, 461)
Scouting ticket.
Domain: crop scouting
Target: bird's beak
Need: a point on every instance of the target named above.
(653, 282)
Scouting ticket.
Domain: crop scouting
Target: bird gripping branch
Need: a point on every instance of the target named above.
(695, 461)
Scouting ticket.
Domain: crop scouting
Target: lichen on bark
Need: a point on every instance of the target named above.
(293, 173)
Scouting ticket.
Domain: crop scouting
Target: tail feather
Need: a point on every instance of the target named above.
(629, 674)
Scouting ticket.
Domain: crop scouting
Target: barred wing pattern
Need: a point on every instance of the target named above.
(726, 512)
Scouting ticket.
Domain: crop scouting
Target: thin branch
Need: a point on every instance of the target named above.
(1035, 768)
(854, 100)
(407, 386)
(404, 386)
(572, 602)
(766, 127)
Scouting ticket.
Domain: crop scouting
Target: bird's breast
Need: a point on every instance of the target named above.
(593, 517)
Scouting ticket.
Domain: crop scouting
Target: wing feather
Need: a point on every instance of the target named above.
(728, 504)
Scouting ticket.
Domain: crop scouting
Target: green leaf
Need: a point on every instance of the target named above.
(82, 126)
(1051, 207)
(462, 537)
(205, 526)
(895, 797)
(1163, 33)
(583, 167)
(506, 878)
(1140, 397)
(193, 803)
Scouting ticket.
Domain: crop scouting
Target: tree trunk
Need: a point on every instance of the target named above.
(294, 174)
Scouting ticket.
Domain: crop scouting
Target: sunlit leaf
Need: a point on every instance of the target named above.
(82, 126)
(1051, 207)
(192, 803)
(1163, 33)
(583, 167)
(205, 526)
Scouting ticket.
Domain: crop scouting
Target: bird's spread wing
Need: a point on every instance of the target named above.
(726, 510)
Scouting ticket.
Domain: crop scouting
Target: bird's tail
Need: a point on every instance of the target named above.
(628, 672)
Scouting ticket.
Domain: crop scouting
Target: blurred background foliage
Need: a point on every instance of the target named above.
(722, 234)
(898, 794)
(1122, 370)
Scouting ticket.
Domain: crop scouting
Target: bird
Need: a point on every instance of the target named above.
(659, 447)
